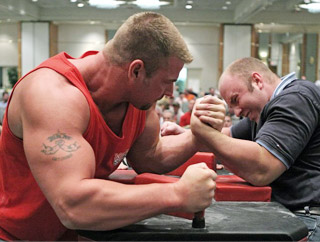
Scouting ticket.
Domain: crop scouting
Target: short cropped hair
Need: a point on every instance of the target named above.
(244, 67)
(150, 37)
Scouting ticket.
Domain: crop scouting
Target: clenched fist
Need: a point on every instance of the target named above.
(196, 187)
(211, 111)
(171, 128)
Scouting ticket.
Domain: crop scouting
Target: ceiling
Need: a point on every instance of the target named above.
(204, 12)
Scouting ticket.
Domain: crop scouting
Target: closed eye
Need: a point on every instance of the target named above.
(234, 100)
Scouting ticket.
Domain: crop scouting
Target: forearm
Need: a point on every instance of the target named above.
(169, 153)
(245, 158)
(105, 205)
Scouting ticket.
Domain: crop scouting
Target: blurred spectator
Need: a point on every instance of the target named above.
(189, 94)
(176, 91)
(227, 121)
(3, 104)
(170, 103)
(167, 115)
(201, 94)
(159, 112)
(211, 92)
(177, 112)
(185, 119)
(163, 103)
(183, 102)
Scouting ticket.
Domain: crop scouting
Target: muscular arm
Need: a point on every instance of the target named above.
(152, 153)
(245, 158)
(54, 116)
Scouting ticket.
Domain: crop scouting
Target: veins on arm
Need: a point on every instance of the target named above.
(60, 146)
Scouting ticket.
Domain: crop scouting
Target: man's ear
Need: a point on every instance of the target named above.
(136, 70)
(257, 80)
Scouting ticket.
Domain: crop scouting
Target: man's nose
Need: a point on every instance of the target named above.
(169, 90)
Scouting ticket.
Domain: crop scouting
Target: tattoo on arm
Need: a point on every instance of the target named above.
(61, 146)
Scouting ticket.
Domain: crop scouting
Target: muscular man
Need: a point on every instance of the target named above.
(71, 121)
(278, 141)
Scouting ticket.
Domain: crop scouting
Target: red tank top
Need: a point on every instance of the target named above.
(25, 214)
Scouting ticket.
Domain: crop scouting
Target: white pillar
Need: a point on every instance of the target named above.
(35, 44)
(294, 58)
(237, 43)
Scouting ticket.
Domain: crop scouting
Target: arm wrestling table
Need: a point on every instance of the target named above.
(225, 221)
(242, 212)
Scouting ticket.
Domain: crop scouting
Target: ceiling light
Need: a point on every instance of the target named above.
(228, 2)
(107, 4)
(73, 1)
(144, 4)
(311, 7)
(150, 4)
(22, 12)
(34, 0)
(189, 2)
(80, 5)
(224, 7)
(263, 54)
(188, 6)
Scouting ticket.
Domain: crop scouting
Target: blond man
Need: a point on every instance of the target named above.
(71, 122)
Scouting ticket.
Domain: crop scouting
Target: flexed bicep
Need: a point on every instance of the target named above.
(60, 142)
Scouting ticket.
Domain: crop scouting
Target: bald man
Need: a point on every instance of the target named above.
(278, 141)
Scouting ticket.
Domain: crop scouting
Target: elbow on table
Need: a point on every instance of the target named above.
(67, 215)
(72, 212)
(76, 213)
(260, 179)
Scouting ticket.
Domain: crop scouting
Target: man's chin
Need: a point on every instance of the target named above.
(145, 107)
(254, 119)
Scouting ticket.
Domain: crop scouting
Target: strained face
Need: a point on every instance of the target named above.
(160, 84)
(245, 103)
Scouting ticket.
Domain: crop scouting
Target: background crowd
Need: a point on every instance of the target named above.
(178, 108)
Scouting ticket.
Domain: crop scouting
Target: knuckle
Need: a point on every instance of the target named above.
(214, 176)
(214, 186)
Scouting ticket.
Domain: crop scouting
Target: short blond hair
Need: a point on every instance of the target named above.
(243, 68)
(150, 37)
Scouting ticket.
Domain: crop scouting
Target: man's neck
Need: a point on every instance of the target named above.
(105, 81)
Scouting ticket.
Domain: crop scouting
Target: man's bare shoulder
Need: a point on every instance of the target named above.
(46, 95)
(44, 79)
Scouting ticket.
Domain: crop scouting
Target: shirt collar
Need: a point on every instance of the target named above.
(285, 80)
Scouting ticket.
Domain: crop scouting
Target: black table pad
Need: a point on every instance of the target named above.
(225, 221)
